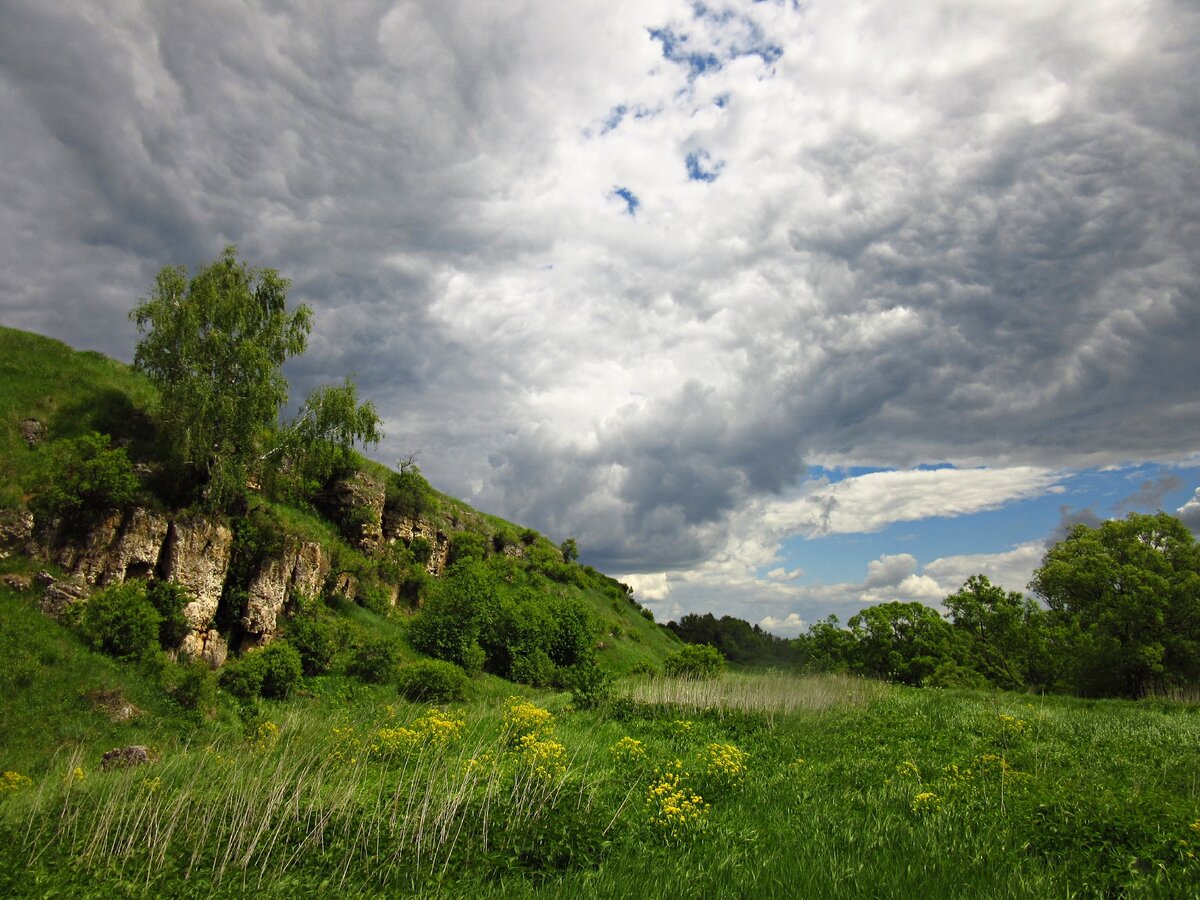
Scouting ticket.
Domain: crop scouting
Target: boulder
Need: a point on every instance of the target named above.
(16, 528)
(300, 571)
(125, 757)
(59, 595)
(356, 503)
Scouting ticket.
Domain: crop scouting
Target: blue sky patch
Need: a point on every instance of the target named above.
(631, 201)
(701, 168)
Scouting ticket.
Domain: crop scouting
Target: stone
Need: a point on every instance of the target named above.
(138, 548)
(209, 646)
(114, 704)
(125, 757)
(32, 430)
(197, 556)
(17, 582)
(16, 528)
(59, 595)
(88, 556)
(345, 585)
(407, 528)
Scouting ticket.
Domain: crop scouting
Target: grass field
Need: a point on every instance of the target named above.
(757, 785)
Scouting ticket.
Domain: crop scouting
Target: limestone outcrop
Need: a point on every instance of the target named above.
(300, 570)
(356, 503)
(408, 528)
(117, 546)
(16, 528)
(197, 555)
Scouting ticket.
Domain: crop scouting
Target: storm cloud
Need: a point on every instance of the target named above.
(860, 233)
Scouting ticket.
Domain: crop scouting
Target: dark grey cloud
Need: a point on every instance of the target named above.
(969, 239)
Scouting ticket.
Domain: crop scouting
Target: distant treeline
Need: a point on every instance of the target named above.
(1115, 613)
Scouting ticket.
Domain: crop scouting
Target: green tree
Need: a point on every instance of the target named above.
(570, 549)
(214, 346)
(1002, 633)
(1129, 593)
(900, 641)
(83, 476)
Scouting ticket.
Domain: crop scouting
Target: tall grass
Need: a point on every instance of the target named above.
(772, 693)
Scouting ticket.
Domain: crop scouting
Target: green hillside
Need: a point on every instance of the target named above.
(52, 394)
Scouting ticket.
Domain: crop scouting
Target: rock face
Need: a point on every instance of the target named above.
(209, 646)
(125, 757)
(58, 595)
(357, 503)
(197, 556)
(16, 528)
(118, 546)
(407, 528)
(300, 571)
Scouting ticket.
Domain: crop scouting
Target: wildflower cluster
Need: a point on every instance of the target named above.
(926, 803)
(522, 717)
(545, 757)
(674, 810)
(434, 729)
(264, 737)
(682, 727)
(725, 765)
(629, 751)
(13, 781)
(346, 745)
(76, 775)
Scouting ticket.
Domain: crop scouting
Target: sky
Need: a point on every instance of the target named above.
(780, 309)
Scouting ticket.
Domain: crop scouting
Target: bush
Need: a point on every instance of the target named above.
(120, 621)
(433, 679)
(243, 677)
(590, 685)
(534, 668)
(695, 661)
(83, 476)
(314, 636)
(375, 660)
(281, 669)
(466, 546)
(195, 688)
(408, 493)
(169, 599)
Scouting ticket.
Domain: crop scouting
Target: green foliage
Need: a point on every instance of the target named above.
(318, 441)
(214, 347)
(569, 549)
(1126, 598)
(590, 686)
(121, 621)
(272, 671)
(695, 661)
(467, 546)
(313, 632)
(738, 640)
(448, 626)
(83, 476)
(1002, 634)
(195, 687)
(169, 599)
(281, 669)
(432, 679)
(902, 642)
(375, 660)
(408, 493)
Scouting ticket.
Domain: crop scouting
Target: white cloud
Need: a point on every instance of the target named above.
(789, 626)
(1189, 513)
(872, 502)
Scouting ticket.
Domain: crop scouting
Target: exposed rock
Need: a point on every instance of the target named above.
(17, 582)
(406, 528)
(32, 430)
(300, 571)
(137, 550)
(345, 585)
(516, 551)
(16, 528)
(197, 557)
(88, 556)
(58, 595)
(125, 757)
(357, 504)
(209, 646)
(114, 704)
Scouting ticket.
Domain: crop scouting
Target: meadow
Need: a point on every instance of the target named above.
(751, 785)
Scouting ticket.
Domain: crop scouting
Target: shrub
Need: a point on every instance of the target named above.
(408, 493)
(169, 599)
(281, 669)
(314, 636)
(432, 679)
(375, 660)
(695, 661)
(120, 621)
(84, 475)
(533, 668)
(465, 546)
(590, 685)
(270, 672)
(195, 688)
